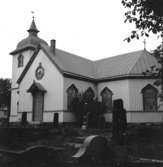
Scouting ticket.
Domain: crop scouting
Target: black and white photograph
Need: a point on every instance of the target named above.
(81, 83)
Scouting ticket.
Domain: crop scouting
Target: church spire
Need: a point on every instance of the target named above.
(33, 29)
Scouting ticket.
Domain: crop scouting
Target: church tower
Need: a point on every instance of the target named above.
(21, 56)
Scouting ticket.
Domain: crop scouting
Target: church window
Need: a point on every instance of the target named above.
(149, 98)
(20, 60)
(106, 95)
(89, 94)
(72, 92)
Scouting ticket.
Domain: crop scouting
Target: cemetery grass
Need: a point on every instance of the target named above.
(145, 141)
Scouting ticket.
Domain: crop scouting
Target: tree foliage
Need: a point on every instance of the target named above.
(5, 95)
(146, 15)
(86, 106)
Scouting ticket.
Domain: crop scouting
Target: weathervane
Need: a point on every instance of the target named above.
(33, 13)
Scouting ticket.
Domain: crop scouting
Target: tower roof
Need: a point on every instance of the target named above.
(33, 29)
(32, 41)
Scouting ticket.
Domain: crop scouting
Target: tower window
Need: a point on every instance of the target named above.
(20, 60)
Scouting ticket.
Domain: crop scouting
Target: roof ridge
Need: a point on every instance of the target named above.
(123, 54)
(75, 55)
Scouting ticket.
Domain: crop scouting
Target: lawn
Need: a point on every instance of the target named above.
(145, 141)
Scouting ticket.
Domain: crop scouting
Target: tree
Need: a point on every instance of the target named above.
(5, 93)
(87, 109)
(146, 15)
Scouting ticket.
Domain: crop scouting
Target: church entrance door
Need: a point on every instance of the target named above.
(38, 101)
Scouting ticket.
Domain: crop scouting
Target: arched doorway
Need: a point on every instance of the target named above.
(38, 101)
(37, 91)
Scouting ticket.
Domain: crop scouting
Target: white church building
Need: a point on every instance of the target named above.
(45, 79)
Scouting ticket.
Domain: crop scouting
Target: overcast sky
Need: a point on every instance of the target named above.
(93, 29)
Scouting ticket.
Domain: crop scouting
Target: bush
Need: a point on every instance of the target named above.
(84, 106)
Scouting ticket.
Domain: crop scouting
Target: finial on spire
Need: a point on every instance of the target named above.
(144, 42)
(33, 15)
(33, 29)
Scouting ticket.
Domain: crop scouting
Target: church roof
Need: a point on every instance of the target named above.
(70, 63)
(129, 64)
(30, 40)
(126, 65)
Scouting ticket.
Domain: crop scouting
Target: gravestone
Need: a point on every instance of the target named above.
(119, 122)
(42, 154)
(93, 150)
(36, 155)
(24, 119)
(56, 119)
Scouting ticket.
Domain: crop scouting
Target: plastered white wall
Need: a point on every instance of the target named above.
(52, 82)
(120, 90)
(49, 116)
(16, 72)
(14, 101)
(139, 117)
(135, 95)
(144, 117)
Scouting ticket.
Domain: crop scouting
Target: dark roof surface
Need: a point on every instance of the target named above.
(129, 64)
(33, 29)
(36, 86)
(32, 40)
(71, 63)
(134, 63)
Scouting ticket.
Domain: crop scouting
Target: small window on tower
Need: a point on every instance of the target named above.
(20, 60)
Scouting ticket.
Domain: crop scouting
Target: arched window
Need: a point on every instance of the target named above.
(89, 94)
(72, 92)
(20, 60)
(149, 98)
(106, 95)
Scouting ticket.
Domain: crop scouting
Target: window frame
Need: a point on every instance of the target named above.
(20, 60)
(146, 98)
(110, 100)
(70, 98)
